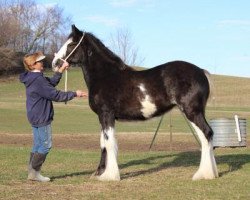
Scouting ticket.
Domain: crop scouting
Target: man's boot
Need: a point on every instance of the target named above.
(35, 167)
(29, 166)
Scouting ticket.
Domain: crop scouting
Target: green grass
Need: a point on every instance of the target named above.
(145, 175)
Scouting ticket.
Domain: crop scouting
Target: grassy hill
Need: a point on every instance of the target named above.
(229, 91)
(230, 96)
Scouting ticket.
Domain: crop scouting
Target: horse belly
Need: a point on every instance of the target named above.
(130, 113)
(142, 109)
(139, 115)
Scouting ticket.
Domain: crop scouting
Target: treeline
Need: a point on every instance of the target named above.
(26, 27)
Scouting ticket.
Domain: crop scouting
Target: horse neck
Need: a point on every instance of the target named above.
(86, 76)
(105, 55)
(101, 63)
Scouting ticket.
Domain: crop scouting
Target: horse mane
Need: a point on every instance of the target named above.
(106, 52)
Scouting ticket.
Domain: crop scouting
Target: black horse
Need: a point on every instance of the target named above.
(118, 92)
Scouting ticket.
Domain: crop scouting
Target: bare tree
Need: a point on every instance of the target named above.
(27, 26)
(48, 26)
(8, 25)
(122, 45)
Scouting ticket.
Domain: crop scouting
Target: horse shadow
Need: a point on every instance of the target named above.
(184, 159)
(53, 178)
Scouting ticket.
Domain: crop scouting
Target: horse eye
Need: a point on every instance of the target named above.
(71, 44)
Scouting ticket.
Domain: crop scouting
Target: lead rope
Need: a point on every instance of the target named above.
(66, 72)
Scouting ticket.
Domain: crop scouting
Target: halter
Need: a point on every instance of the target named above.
(75, 47)
(66, 72)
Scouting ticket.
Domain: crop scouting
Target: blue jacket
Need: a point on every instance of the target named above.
(40, 92)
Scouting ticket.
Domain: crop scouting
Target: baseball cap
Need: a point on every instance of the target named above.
(30, 59)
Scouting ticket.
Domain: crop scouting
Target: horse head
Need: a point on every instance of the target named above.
(81, 48)
(72, 51)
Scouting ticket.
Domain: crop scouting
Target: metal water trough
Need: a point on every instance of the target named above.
(229, 132)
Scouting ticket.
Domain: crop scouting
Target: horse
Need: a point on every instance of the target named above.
(119, 92)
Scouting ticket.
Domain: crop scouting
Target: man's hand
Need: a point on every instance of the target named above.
(64, 66)
(80, 93)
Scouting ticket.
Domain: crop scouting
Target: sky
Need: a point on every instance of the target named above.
(212, 34)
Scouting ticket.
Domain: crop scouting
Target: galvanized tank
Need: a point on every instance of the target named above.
(226, 133)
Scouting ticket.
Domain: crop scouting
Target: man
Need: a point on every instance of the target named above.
(40, 92)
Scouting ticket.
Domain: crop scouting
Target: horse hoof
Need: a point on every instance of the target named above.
(104, 178)
(201, 175)
(109, 177)
(197, 176)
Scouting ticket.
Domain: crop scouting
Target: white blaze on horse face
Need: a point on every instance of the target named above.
(148, 108)
(61, 53)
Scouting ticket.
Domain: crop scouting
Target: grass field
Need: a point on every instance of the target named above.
(145, 174)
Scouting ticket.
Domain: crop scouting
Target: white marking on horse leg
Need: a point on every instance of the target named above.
(102, 144)
(112, 171)
(207, 168)
(61, 53)
(148, 108)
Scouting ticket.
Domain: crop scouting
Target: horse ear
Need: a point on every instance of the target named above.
(75, 30)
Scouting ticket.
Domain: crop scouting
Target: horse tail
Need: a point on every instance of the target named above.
(210, 82)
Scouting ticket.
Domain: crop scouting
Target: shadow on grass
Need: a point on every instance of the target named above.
(53, 178)
(234, 162)
(184, 159)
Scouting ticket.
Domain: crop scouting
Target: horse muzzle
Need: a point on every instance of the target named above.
(56, 64)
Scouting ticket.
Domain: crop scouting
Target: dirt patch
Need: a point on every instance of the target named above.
(126, 141)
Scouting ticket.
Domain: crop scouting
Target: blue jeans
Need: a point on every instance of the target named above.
(42, 139)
